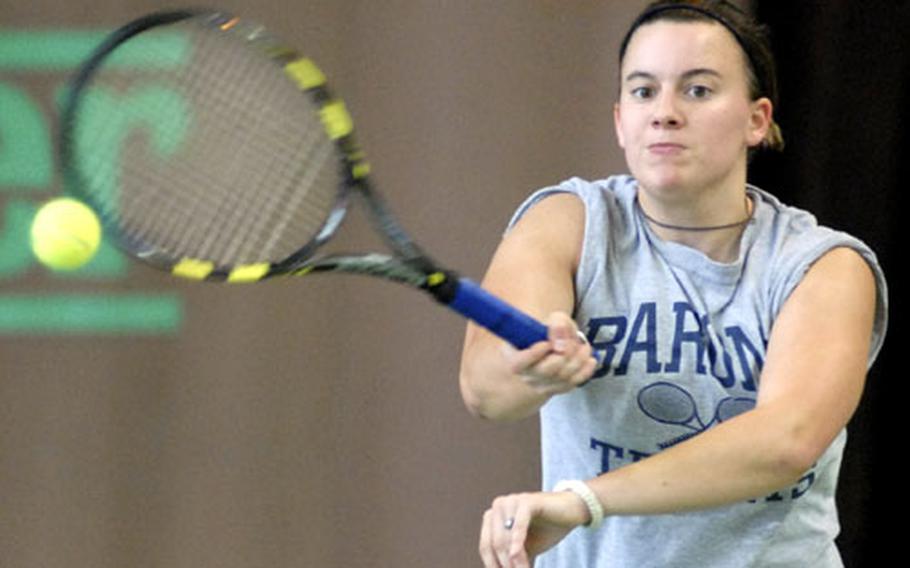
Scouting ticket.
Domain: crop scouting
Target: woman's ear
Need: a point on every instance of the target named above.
(617, 126)
(760, 121)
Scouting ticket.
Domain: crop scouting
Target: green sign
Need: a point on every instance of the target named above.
(27, 178)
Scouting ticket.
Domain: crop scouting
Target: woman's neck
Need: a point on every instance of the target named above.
(713, 225)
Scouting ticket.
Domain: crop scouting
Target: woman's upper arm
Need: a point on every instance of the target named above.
(534, 265)
(818, 352)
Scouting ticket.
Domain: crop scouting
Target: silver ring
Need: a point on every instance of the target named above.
(510, 522)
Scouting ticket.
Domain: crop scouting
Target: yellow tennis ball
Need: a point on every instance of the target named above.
(65, 234)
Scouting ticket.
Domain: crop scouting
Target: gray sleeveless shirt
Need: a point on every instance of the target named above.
(685, 340)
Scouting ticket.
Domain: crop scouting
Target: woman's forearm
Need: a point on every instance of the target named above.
(502, 383)
(745, 458)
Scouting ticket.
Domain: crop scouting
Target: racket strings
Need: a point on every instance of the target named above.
(307, 178)
(223, 159)
(259, 133)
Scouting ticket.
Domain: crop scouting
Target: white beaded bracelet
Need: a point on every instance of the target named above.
(580, 488)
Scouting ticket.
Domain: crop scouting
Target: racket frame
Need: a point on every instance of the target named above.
(409, 264)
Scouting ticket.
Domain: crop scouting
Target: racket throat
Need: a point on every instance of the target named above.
(442, 285)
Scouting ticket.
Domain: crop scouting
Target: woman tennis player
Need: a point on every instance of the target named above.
(735, 331)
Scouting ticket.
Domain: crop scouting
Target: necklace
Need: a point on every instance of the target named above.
(748, 219)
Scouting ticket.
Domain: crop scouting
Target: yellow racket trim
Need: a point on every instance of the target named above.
(193, 269)
(305, 73)
(336, 120)
(435, 279)
(360, 170)
(248, 273)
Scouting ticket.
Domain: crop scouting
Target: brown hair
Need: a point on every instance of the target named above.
(749, 34)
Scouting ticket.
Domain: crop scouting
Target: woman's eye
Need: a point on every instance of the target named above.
(642, 92)
(699, 91)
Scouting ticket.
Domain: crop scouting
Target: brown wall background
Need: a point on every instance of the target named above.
(316, 422)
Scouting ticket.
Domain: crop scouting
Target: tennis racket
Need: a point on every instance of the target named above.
(226, 157)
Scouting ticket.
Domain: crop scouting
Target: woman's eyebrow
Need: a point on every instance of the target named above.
(645, 76)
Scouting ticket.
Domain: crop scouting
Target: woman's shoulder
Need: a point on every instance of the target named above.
(786, 232)
(612, 195)
(790, 241)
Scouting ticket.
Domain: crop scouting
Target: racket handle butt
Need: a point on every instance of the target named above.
(509, 323)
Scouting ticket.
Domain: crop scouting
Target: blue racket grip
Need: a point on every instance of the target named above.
(509, 323)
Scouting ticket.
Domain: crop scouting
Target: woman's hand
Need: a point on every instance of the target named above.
(557, 365)
(516, 528)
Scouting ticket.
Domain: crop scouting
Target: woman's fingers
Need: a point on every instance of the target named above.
(557, 365)
(503, 533)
